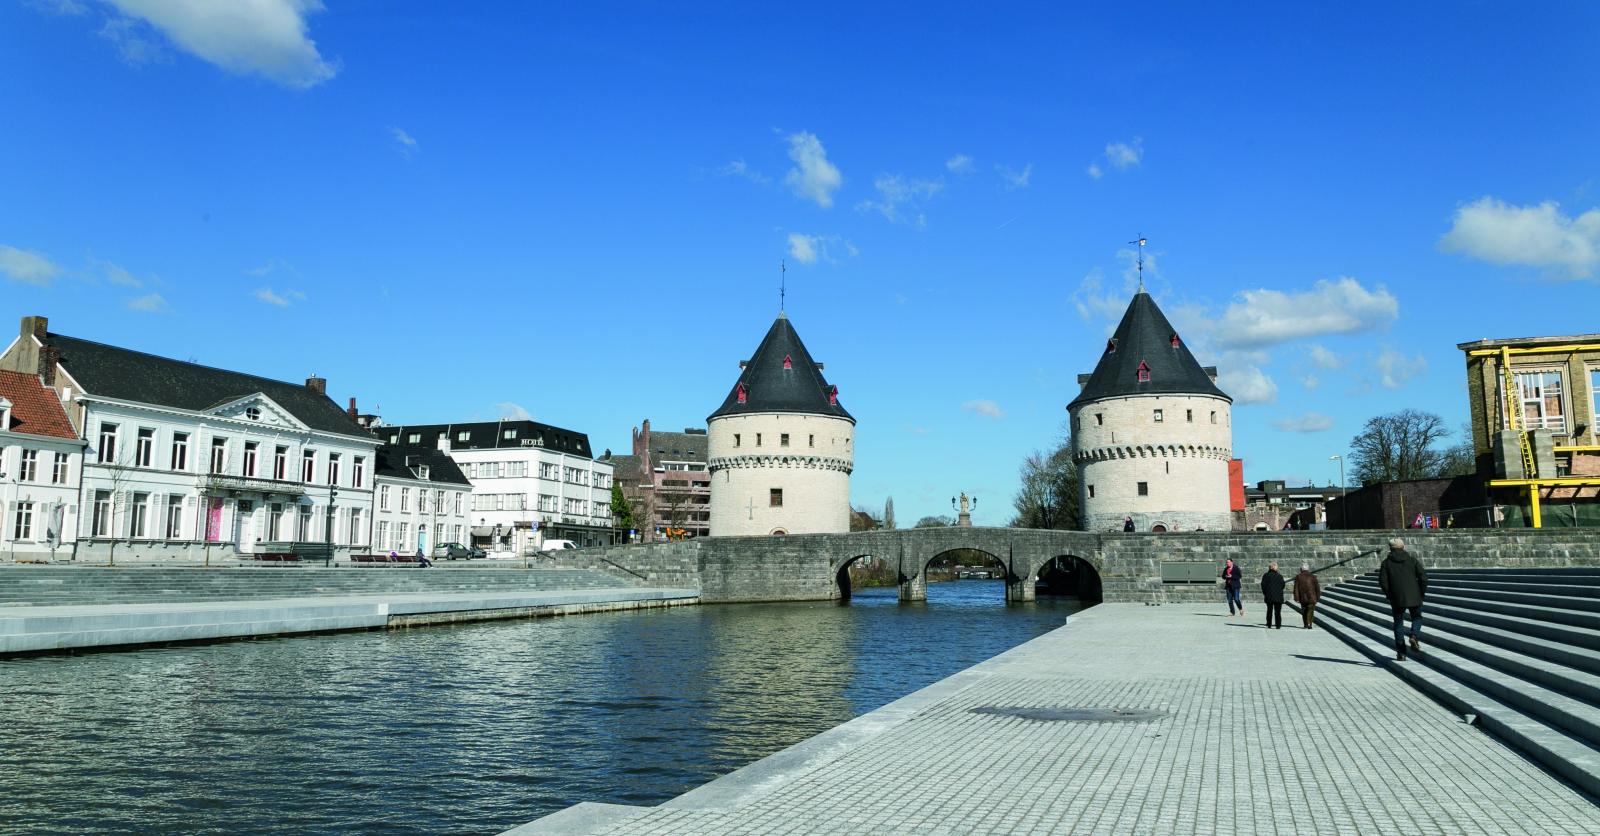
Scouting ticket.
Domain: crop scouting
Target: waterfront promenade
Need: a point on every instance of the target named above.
(1254, 731)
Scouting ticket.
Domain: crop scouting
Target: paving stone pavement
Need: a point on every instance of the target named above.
(1267, 731)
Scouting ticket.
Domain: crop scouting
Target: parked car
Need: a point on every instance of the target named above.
(456, 551)
(557, 545)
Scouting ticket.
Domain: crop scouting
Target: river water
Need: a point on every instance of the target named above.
(465, 729)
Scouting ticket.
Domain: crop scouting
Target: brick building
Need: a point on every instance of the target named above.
(667, 481)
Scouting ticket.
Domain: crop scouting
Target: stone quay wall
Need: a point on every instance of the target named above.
(807, 567)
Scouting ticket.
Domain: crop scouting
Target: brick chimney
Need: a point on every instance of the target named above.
(49, 356)
(317, 384)
(355, 414)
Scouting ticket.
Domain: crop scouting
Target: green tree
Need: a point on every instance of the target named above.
(621, 508)
(1048, 497)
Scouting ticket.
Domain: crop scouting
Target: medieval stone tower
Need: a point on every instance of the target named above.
(1151, 432)
(782, 447)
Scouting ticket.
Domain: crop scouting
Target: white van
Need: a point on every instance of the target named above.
(557, 545)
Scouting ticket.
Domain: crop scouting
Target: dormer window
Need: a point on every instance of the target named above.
(787, 363)
(1111, 346)
(1144, 372)
(422, 471)
(1175, 341)
(833, 396)
(5, 414)
(740, 392)
(253, 413)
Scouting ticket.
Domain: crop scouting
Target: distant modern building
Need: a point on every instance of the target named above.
(667, 481)
(41, 460)
(1152, 434)
(1273, 506)
(1535, 406)
(781, 445)
(530, 481)
(423, 499)
(185, 460)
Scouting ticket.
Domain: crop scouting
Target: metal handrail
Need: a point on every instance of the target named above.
(620, 566)
(1348, 559)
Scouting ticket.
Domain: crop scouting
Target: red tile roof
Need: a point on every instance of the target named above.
(35, 409)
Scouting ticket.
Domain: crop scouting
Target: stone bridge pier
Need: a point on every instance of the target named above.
(1021, 552)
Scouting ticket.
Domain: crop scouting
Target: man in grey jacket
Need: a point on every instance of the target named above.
(1405, 584)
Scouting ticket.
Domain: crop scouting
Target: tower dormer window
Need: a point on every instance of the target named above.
(1144, 372)
(1111, 346)
(833, 396)
(1175, 341)
(787, 363)
(740, 392)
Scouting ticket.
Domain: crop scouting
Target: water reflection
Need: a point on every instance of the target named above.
(467, 729)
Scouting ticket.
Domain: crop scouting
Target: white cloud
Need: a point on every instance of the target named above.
(986, 408)
(1247, 384)
(270, 267)
(261, 37)
(513, 412)
(1013, 178)
(1394, 368)
(1310, 381)
(1311, 422)
(738, 168)
(1322, 358)
(1125, 155)
(27, 266)
(1094, 171)
(149, 303)
(802, 248)
(959, 164)
(808, 249)
(1535, 236)
(896, 194)
(282, 300)
(1267, 317)
(918, 430)
(813, 177)
(70, 8)
(403, 142)
(116, 274)
(1093, 302)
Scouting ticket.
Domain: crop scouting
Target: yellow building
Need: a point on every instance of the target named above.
(1534, 403)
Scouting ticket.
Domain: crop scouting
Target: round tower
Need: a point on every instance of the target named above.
(781, 446)
(1151, 432)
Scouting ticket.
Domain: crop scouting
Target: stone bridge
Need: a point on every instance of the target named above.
(1109, 566)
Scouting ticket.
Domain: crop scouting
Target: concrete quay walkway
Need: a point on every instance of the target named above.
(1257, 731)
(34, 629)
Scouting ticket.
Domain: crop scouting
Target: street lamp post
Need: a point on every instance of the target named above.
(1344, 494)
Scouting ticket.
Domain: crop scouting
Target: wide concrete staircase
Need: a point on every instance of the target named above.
(1517, 648)
(53, 585)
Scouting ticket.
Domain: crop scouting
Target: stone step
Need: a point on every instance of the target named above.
(1558, 600)
(1580, 684)
(1528, 612)
(1537, 586)
(1566, 755)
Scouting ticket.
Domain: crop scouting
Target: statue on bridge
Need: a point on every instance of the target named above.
(965, 518)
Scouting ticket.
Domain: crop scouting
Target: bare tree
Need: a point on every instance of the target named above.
(939, 521)
(1398, 446)
(677, 505)
(862, 520)
(1048, 497)
(888, 513)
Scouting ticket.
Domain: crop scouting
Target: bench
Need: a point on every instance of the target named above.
(385, 559)
(273, 557)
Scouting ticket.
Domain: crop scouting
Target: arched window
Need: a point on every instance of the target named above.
(1144, 372)
(739, 389)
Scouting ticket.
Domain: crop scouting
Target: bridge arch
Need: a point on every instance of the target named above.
(1070, 575)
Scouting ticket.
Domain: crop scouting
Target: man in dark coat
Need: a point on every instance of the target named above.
(1272, 596)
(1127, 524)
(1307, 592)
(1405, 584)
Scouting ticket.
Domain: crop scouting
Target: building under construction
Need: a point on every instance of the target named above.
(1534, 404)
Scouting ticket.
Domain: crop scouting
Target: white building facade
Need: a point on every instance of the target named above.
(1152, 434)
(188, 462)
(781, 446)
(41, 462)
(423, 499)
(530, 481)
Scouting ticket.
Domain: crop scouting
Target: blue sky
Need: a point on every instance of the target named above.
(461, 211)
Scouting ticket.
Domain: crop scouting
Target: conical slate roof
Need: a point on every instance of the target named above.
(1144, 337)
(782, 377)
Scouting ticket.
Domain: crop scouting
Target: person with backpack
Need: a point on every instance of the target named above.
(1272, 596)
(1231, 578)
(1405, 584)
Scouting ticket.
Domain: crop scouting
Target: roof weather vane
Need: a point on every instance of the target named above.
(783, 276)
(1141, 242)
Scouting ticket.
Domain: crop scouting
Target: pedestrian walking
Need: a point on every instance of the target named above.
(1127, 524)
(1272, 596)
(1307, 592)
(1405, 584)
(1230, 586)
